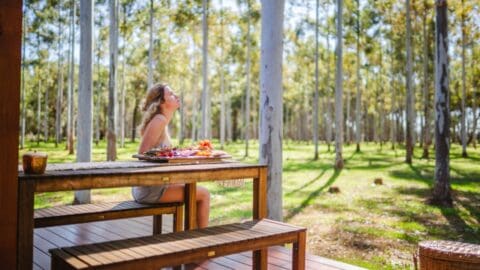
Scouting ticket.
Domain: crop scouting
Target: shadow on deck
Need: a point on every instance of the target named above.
(69, 235)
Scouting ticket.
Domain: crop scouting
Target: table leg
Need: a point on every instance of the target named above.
(259, 212)
(190, 206)
(25, 225)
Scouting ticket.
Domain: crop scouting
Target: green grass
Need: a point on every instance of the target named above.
(377, 227)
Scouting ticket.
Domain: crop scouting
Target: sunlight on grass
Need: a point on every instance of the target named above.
(374, 226)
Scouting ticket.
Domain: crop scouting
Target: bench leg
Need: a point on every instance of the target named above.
(298, 252)
(178, 219)
(260, 259)
(157, 224)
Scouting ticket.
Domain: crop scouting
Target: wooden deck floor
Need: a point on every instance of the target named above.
(69, 235)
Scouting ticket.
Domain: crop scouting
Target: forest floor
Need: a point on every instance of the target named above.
(373, 226)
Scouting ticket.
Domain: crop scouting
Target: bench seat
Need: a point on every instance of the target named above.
(81, 213)
(153, 252)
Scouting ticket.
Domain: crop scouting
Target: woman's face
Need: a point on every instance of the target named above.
(172, 101)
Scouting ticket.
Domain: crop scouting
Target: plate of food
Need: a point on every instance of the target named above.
(203, 152)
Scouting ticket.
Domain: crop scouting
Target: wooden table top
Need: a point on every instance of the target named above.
(71, 176)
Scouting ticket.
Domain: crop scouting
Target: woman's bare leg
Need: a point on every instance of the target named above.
(176, 193)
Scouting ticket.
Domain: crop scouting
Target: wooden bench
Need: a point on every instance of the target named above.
(81, 213)
(153, 252)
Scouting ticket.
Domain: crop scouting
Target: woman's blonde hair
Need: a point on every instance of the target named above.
(151, 105)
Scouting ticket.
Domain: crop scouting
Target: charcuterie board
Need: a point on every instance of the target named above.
(190, 159)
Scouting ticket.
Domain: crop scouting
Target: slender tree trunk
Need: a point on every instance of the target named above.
(205, 91)
(45, 118)
(328, 130)
(71, 72)
(22, 119)
(464, 94)
(271, 110)
(339, 90)
(393, 121)
(122, 106)
(59, 98)
(112, 83)
(247, 94)
(39, 110)
(358, 114)
(315, 99)
(150, 48)
(409, 101)
(98, 101)
(228, 117)
(181, 129)
(426, 92)
(84, 145)
(474, 100)
(134, 121)
(222, 81)
(442, 190)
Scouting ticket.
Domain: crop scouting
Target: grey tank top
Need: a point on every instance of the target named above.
(152, 194)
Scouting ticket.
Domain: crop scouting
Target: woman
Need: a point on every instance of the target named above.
(160, 105)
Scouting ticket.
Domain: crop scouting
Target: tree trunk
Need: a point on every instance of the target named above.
(71, 72)
(122, 105)
(150, 48)
(45, 119)
(271, 95)
(358, 114)
(426, 92)
(205, 91)
(328, 115)
(134, 121)
(409, 101)
(442, 190)
(98, 102)
(393, 121)
(474, 100)
(222, 81)
(464, 95)
(112, 81)
(315, 99)
(84, 145)
(22, 117)
(59, 98)
(39, 112)
(247, 90)
(228, 119)
(339, 89)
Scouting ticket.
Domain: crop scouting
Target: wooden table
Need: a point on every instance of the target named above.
(77, 176)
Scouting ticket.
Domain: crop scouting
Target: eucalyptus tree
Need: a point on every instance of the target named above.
(464, 95)
(71, 72)
(442, 190)
(358, 99)
(84, 145)
(410, 96)
(474, 97)
(339, 89)
(222, 77)
(271, 110)
(150, 47)
(247, 87)
(22, 99)
(112, 81)
(426, 82)
(59, 97)
(316, 96)
(206, 126)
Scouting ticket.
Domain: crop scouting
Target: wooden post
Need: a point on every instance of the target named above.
(260, 211)
(10, 49)
(298, 252)
(25, 224)
(190, 206)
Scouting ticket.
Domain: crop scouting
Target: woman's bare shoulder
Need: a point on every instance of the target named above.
(159, 119)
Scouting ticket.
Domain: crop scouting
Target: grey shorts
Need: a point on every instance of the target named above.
(148, 194)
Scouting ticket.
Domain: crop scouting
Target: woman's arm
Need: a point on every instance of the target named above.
(153, 132)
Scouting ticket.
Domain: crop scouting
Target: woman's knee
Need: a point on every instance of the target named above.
(203, 194)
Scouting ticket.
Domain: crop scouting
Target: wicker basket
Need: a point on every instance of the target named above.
(448, 255)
